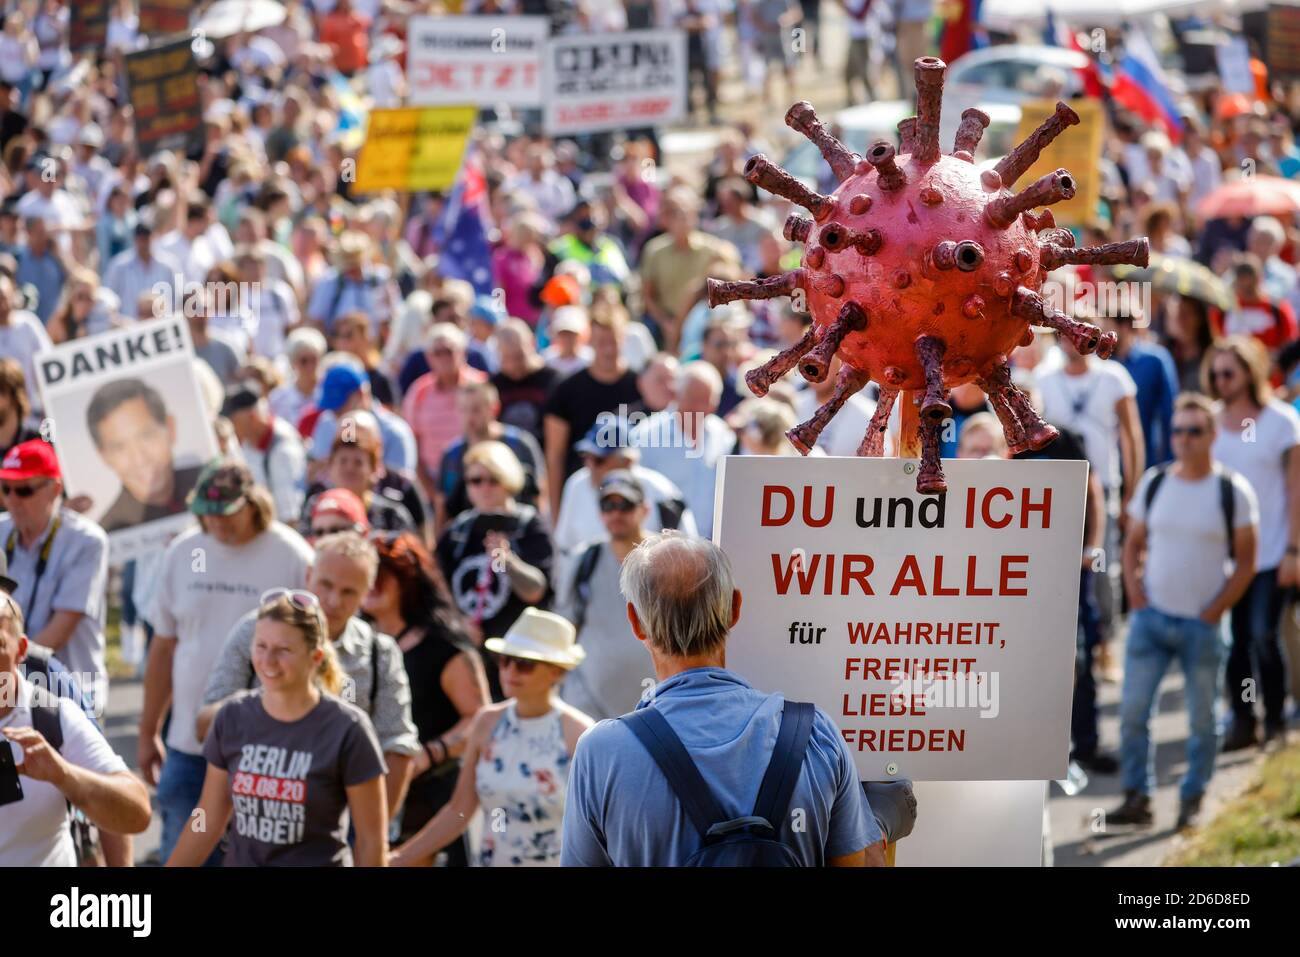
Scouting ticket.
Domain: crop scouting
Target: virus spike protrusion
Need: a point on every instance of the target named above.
(765, 174)
(1037, 222)
(1014, 164)
(836, 236)
(850, 319)
(797, 228)
(813, 256)
(1136, 252)
(859, 204)
(1106, 347)
(930, 479)
(1029, 431)
(973, 124)
(850, 381)
(830, 284)
(1057, 235)
(929, 72)
(873, 442)
(907, 135)
(803, 119)
(930, 350)
(1029, 306)
(1054, 187)
(965, 255)
(881, 156)
(720, 291)
(973, 307)
(760, 379)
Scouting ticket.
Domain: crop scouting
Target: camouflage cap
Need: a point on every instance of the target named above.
(222, 488)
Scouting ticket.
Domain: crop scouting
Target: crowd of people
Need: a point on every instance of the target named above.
(461, 510)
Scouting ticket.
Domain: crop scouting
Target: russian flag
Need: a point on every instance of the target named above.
(1139, 85)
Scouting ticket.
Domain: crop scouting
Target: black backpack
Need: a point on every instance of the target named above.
(752, 841)
(1227, 500)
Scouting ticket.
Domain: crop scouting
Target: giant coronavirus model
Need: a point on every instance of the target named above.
(923, 272)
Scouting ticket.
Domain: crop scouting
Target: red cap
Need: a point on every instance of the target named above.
(340, 501)
(34, 459)
(561, 291)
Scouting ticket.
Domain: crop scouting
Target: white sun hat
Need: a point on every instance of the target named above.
(540, 636)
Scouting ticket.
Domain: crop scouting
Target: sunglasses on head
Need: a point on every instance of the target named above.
(22, 491)
(522, 665)
(1193, 431)
(303, 600)
(613, 504)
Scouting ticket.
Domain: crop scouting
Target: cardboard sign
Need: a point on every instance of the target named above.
(1233, 56)
(1283, 42)
(939, 631)
(413, 149)
(87, 25)
(130, 428)
(164, 87)
(160, 18)
(1078, 151)
(486, 61)
(615, 81)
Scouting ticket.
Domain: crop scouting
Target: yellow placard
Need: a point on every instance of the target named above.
(414, 148)
(1078, 150)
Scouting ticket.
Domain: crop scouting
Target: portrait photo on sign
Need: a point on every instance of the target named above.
(130, 429)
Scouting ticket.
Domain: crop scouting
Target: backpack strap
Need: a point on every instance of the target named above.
(374, 669)
(582, 584)
(1152, 487)
(787, 762)
(1228, 503)
(45, 717)
(658, 737)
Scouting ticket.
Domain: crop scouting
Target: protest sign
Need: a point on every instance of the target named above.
(1233, 58)
(130, 429)
(939, 631)
(164, 88)
(615, 81)
(160, 18)
(485, 61)
(413, 149)
(1080, 153)
(1283, 41)
(87, 25)
(1002, 825)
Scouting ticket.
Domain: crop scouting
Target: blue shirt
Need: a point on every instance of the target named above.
(399, 440)
(47, 275)
(1156, 376)
(620, 810)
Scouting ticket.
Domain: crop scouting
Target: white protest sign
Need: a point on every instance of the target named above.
(130, 428)
(1001, 825)
(939, 631)
(476, 61)
(1233, 56)
(615, 81)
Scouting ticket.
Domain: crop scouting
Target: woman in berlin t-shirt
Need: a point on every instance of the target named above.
(287, 762)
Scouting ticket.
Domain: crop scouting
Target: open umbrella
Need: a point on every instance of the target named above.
(1183, 276)
(1252, 196)
(225, 18)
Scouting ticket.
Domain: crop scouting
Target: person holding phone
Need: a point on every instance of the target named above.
(289, 762)
(39, 778)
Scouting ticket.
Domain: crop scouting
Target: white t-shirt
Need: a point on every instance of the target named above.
(579, 519)
(282, 468)
(844, 433)
(34, 831)
(1187, 544)
(204, 589)
(1087, 403)
(20, 340)
(1256, 452)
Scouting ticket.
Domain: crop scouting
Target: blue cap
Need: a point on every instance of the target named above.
(338, 386)
(485, 308)
(607, 436)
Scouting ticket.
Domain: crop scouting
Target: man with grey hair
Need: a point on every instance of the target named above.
(686, 440)
(621, 809)
(1280, 281)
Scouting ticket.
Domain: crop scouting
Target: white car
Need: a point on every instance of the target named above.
(1009, 74)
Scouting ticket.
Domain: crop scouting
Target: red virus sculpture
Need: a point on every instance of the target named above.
(922, 273)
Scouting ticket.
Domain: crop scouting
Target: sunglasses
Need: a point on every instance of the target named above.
(616, 505)
(302, 600)
(481, 480)
(441, 352)
(524, 666)
(1193, 431)
(1223, 374)
(22, 491)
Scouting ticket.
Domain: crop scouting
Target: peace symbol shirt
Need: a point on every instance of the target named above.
(288, 780)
